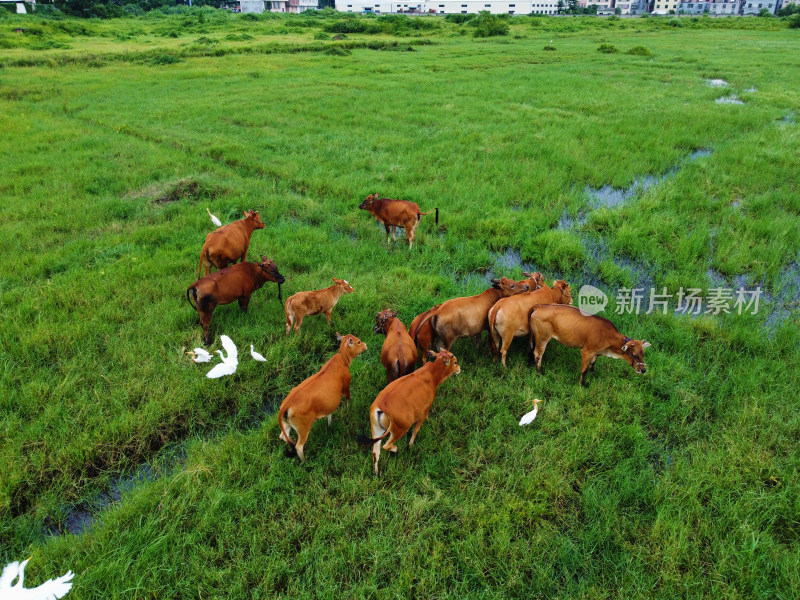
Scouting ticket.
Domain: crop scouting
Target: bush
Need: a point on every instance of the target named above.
(607, 49)
(675, 22)
(549, 48)
(459, 19)
(337, 51)
(794, 21)
(489, 25)
(321, 35)
(640, 51)
(346, 26)
(764, 13)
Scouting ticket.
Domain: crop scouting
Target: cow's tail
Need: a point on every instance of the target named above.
(290, 449)
(193, 291)
(400, 365)
(367, 441)
(436, 218)
(289, 316)
(414, 331)
(492, 331)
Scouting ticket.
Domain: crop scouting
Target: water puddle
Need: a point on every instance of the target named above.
(789, 119)
(732, 99)
(715, 83)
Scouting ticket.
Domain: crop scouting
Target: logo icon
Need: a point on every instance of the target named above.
(591, 300)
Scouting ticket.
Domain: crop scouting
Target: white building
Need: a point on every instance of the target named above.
(279, 6)
(451, 7)
(724, 7)
(662, 7)
(753, 7)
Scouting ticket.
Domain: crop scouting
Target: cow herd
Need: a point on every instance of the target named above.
(508, 309)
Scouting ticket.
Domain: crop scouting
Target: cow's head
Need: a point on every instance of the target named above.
(380, 320)
(369, 202)
(350, 344)
(253, 216)
(535, 280)
(271, 271)
(633, 352)
(343, 285)
(563, 292)
(509, 287)
(448, 362)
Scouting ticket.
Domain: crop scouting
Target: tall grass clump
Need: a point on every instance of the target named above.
(489, 25)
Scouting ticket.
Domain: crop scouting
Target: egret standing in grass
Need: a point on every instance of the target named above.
(256, 355)
(199, 355)
(529, 417)
(214, 219)
(50, 589)
(229, 362)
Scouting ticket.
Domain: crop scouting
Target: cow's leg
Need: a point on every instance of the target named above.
(244, 254)
(346, 391)
(415, 430)
(411, 231)
(396, 434)
(297, 323)
(541, 346)
(587, 359)
(394, 233)
(243, 302)
(388, 234)
(288, 427)
(591, 364)
(330, 418)
(303, 429)
(327, 314)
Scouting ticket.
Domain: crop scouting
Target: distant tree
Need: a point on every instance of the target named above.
(591, 9)
(560, 7)
(788, 10)
(572, 7)
(618, 11)
(764, 13)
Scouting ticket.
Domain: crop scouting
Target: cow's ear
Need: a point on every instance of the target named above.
(339, 336)
(526, 274)
(394, 314)
(431, 355)
(446, 361)
(495, 281)
(646, 344)
(625, 348)
(350, 340)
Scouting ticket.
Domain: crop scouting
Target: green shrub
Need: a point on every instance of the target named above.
(489, 25)
(337, 51)
(640, 51)
(675, 22)
(459, 19)
(349, 25)
(549, 48)
(794, 21)
(164, 59)
(607, 49)
(321, 35)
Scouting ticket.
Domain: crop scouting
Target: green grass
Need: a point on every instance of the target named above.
(679, 483)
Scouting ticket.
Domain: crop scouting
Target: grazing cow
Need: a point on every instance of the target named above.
(510, 317)
(229, 243)
(406, 402)
(396, 213)
(237, 282)
(595, 336)
(303, 304)
(319, 395)
(467, 316)
(398, 354)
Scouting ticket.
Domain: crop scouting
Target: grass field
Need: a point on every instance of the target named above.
(117, 135)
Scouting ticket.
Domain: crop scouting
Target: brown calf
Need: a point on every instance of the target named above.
(510, 317)
(396, 213)
(303, 304)
(467, 316)
(406, 402)
(595, 336)
(319, 395)
(398, 354)
(237, 282)
(229, 243)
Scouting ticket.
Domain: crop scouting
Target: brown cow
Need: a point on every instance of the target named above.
(302, 304)
(467, 316)
(237, 282)
(396, 213)
(595, 336)
(421, 332)
(319, 395)
(510, 317)
(229, 243)
(398, 354)
(406, 402)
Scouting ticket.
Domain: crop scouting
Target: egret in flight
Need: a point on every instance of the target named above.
(229, 362)
(49, 590)
(214, 219)
(529, 417)
(256, 355)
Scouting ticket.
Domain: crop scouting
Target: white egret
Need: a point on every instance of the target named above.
(214, 219)
(529, 417)
(229, 362)
(256, 355)
(199, 355)
(49, 590)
